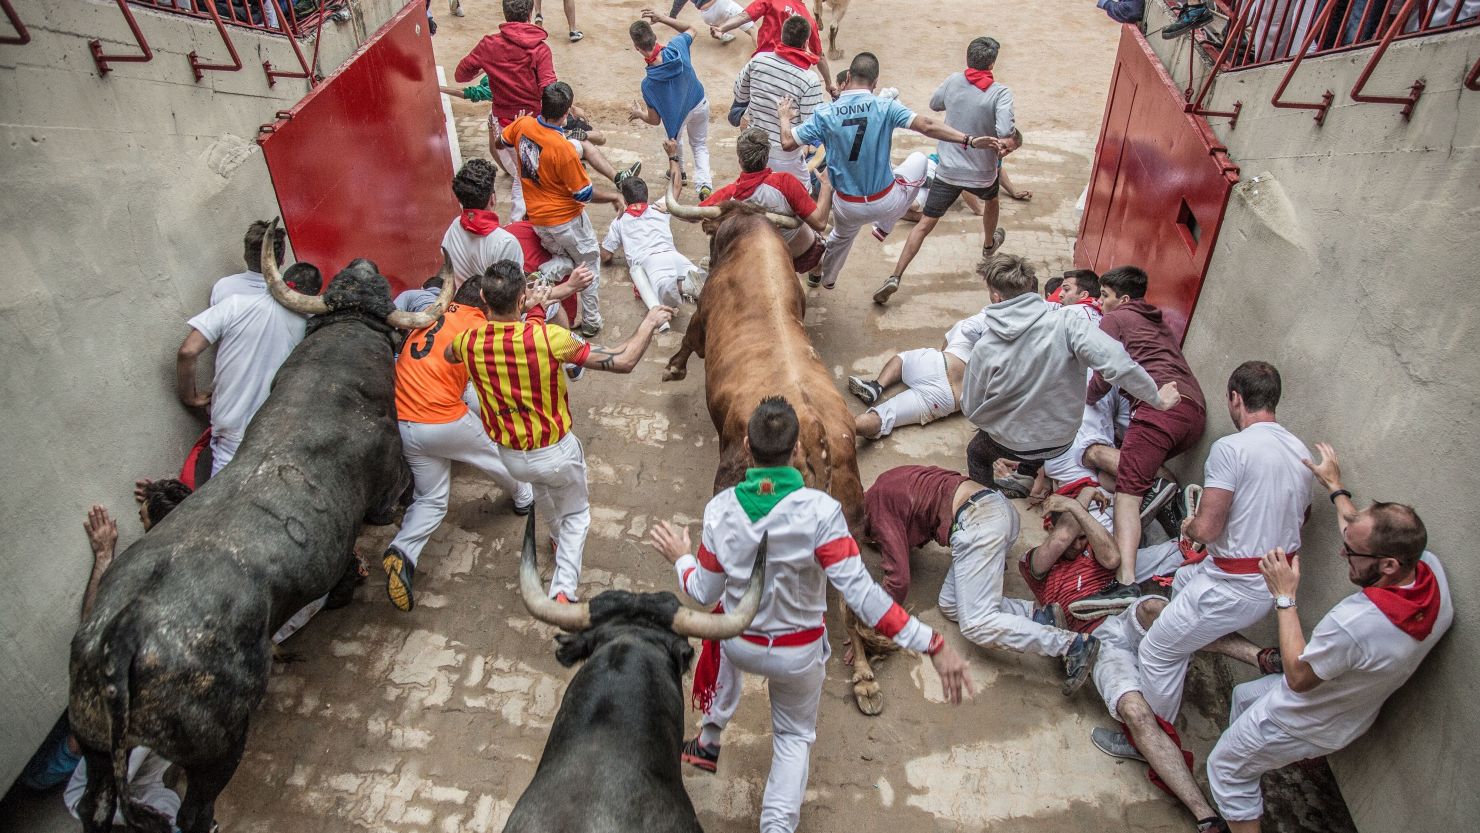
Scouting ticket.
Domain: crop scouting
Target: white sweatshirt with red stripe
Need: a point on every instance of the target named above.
(809, 546)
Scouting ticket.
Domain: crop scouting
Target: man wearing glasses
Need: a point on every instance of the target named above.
(1256, 496)
(1361, 652)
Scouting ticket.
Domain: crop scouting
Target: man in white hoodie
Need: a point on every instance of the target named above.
(1028, 373)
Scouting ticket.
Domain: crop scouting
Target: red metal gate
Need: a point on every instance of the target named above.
(1159, 186)
(361, 165)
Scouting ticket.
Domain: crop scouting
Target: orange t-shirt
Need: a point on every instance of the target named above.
(429, 388)
(556, 187)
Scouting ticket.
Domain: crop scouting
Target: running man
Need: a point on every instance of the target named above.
(671, 93)
(857, 129)
(771, 16)
(771, 77)
(808, 547)
(715, 13)
(972, 101)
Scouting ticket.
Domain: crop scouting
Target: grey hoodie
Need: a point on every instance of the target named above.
(1026, 379)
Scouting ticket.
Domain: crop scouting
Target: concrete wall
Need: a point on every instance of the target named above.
(1348, 257)
(125, 197)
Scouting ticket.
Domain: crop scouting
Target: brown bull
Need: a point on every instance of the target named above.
(748, 330)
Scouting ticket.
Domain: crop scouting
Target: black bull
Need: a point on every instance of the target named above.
(176, 652)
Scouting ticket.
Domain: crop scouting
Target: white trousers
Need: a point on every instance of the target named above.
(1203, 608)
(695, 130)
(1253, 745)
(972, 592)
(558, 474)
(794, 678)
(509, 161)
(223, 448)
(577, 241)
(659, 277)
(849, 217)
(430, 449)
(722, 10)
(928, 394)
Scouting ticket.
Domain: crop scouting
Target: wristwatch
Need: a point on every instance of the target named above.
(1283, 602)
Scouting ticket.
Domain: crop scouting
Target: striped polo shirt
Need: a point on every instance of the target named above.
(515, 366)
(766, 80)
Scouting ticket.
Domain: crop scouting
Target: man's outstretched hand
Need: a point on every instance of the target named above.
(955, 678)
(671, 541)
(102, 536)
(1327, 467)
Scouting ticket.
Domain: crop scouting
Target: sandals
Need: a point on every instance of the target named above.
(997, 237)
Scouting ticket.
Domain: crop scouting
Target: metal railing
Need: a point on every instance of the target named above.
(268, 16)
(1262, 32)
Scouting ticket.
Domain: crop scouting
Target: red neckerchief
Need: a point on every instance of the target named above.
(1092, 303)
(796, 56)
(635, 209)
(479, 221)
(746, 183)
(654, 56)
(1412, 609)
(980, 78)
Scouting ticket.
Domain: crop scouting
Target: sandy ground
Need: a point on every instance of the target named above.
(434, 721)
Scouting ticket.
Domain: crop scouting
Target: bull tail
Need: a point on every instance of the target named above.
(120, 645)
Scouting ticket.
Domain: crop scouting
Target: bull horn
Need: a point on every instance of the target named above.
(572, 617)
(416, 320)
(692, 213)
(289, 297)
(729, 624)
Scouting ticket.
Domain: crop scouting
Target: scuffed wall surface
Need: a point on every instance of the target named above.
(1348, 258)
(125, 198)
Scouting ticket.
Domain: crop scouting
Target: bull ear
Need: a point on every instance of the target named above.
(574, 647)
(682, 654)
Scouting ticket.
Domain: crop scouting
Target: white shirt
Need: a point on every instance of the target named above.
(1262, 466)
(1363, 658)
(964, 334)
(1089, 312)
(145, 785)
(253, 337)
(642, 235)
(809, 546)
(242, 283)
(472, 254)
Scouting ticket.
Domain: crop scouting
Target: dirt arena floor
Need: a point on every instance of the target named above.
(434, 721)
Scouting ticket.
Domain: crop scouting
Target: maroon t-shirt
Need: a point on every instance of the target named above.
(909, 506)
(1138, 325)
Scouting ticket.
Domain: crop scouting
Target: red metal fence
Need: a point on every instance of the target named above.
(273, 16)
(1264, 32)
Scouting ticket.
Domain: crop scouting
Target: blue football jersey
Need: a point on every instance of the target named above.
(857, 129)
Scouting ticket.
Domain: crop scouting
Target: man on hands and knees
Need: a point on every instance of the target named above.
(910, 505)
(807, 548)
(1154, 436)
(522, 400)
(857, 130)
(660, 274)
(974, 103)
(436, 429)
(1256, 496)
(779, 193)
(1362, 651)
(1023, 390)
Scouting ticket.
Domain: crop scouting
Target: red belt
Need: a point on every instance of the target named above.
(869, 198)
(786, 640)
(1241, 566)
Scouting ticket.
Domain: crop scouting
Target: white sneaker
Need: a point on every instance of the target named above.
(693, 283)
(726, 37)
(889, 93)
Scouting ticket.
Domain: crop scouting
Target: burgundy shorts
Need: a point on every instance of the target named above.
(805, 262)
(1153, 438)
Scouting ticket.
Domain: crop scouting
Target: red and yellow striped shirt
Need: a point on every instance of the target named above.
(516, 369)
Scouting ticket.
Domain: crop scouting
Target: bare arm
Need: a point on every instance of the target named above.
(1099, 537)
(190, 350)
(643, 112)
(624, 359)
(102, 537)
(733, 23)
(1212, 516)
(652, 16)
(1327, 470)
(786, 108)
(818, 219)
(1282, 574)
(936, 129)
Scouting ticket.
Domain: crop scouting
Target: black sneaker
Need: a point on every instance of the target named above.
(1113, 599)
(1051, 616)
(698, 755)
(1115, 744)
(1161, 491)
(630, 171)
(1015, 485)
(589, 329)
(1171, 515)
(1213, 824)
(1188, 18)
(814, 280)
(1079, 661)
(867, 392)
(398, 572)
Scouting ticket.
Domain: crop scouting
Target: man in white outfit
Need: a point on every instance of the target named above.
(251, 281)
(1256, 495)
(660, 273)
(857, 130)
(254, 335)
(474, 240)
(808, 548)
(1333, 686)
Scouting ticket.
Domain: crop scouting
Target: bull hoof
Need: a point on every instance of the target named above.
(675, 374)
(869, 698)
(836, 54)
